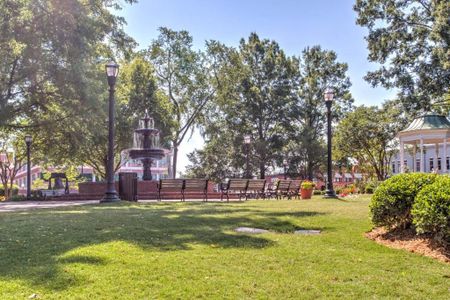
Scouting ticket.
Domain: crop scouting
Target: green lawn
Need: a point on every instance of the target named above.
(189, 250)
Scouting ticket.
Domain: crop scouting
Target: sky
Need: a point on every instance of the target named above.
(294, 24)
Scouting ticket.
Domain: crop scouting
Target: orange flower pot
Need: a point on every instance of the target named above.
(306, 193)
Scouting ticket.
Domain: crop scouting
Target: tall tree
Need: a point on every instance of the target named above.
(82, 139)
(368, 135)
(262, 99)
(318, 69)
(183, 75)
(48, 49)
(411, 41)
(12, 159)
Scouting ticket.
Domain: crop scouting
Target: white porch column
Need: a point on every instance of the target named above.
(414, 165)
(422, 160)
(402, 157)
(444, 159)
(436, 156)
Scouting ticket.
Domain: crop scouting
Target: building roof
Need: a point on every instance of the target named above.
(429, 122)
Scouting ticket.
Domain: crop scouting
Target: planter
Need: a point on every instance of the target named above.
(306, 193)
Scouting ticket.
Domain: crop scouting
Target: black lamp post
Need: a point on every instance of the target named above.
(112, 70)
(285, 166)
(247, 142)
(28, 141)
(329, 193)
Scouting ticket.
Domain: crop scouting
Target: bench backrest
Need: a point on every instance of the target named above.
(237, 184)
(195, 184)
(283, 185)
(171, 184)
(295, 185)
(256, 185)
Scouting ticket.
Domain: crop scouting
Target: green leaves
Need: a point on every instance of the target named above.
(184, 77)
(393, 199)
(411, 41)
(50, 51)
(431, 210)
(367, 135)
(277, 100)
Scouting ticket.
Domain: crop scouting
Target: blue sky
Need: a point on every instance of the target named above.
(294, 24)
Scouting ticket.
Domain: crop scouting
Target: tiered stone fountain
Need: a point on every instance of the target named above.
(146, 146)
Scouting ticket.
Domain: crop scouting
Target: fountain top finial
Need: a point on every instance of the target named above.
(146, 116)
(148, 121)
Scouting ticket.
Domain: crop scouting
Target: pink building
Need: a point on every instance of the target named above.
(160, 169)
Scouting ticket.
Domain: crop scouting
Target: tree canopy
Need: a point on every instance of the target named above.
(183, 76)
(368, 135)
(410, 39)
(49, 50)
(278, 101)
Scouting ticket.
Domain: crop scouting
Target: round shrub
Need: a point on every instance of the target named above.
(371, 186)
(369, 189)
(431, 209)
(14, 190)
(393, 199)
(317, 192)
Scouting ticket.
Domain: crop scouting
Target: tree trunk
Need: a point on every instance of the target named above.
(262, 170)
(309, 171)
(380, 175)
(105, 168)
(174, 161)
(6, 189)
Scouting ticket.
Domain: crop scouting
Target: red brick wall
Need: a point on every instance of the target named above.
(98, 188)
(93, 188)
(147, 186)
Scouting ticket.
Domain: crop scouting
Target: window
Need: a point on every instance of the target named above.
(439, 163)
(431, 164)
(448, 163)
(417, 164)
(393, 168)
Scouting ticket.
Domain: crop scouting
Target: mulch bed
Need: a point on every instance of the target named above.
(410, 241)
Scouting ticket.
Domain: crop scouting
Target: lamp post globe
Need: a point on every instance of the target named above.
(112, 71)
(247, 142)
(28, 141)
(329, 96)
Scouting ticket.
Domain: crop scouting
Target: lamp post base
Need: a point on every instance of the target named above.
(110, 197)
(329, 194)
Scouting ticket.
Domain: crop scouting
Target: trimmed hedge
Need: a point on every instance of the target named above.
(15, 190)
(393, 199)
(431, 209)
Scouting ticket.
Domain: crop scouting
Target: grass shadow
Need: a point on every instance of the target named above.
(33, 244)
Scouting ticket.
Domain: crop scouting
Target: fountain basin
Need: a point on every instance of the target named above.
(154, 153)
(147, 131)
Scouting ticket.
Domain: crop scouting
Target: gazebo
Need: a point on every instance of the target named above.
(432, 130)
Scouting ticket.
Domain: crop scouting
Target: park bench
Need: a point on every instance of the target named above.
(234, 186)
(256, 188)
(294, 189)
(195, 186)
(171, 185)
(282, 189)
(51, 193)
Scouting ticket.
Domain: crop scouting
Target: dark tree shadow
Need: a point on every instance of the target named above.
(32, 243)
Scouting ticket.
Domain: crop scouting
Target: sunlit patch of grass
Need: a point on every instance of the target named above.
(190, 250)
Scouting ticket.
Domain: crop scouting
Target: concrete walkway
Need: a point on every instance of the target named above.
(26, 205)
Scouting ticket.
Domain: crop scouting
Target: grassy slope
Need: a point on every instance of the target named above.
(187, 250)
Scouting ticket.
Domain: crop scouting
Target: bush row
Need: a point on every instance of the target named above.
(15, 190)
(414, 199)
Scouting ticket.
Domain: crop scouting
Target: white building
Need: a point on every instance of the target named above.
(424, 146)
